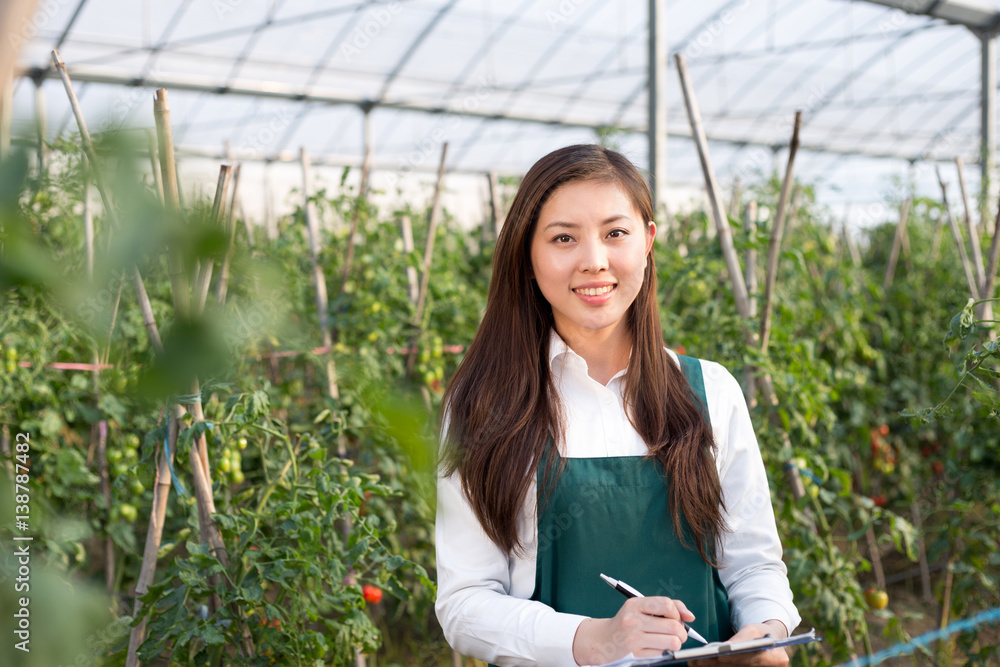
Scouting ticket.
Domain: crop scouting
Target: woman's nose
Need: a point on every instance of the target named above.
(593, 257)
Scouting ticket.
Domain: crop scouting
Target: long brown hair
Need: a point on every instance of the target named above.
(502, 406)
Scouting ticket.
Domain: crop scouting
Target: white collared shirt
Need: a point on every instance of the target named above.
(482, 599)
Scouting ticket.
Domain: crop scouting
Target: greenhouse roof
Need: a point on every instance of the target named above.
(882, 84)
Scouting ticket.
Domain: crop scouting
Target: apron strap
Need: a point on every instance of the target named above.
(691, 368)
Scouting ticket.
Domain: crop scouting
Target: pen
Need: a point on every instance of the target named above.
(630, 592)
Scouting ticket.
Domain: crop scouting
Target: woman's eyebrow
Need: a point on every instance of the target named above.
(573, 225)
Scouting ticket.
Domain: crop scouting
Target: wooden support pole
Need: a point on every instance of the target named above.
(6, 115)
(750, 224)
(959, 243)
(777, 232)
(15, 16)
(734, 199)
(411, 271)
(359, 200)
(495, 207)
(41, 127)
(98, 432)
(989, 284)
(223, 283)
(425, 276)
(319, 279)
(219, 213)
(154, 532)
(200, 469)
(927, 595)
(733, 264)
(714, 194)
(270, 220)
(875, 557)
(897, 244)
(970, 227)
(161, 490)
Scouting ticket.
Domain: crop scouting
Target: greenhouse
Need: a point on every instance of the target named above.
(266, 281)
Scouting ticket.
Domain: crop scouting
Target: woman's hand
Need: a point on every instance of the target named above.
(643, 627)
(776, 657)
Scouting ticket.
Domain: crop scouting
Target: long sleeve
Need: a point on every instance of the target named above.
(481, 593)
(751, 569)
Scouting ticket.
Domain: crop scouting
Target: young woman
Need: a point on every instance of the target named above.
(576, 444)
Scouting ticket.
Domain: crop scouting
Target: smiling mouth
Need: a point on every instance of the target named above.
(594, 291)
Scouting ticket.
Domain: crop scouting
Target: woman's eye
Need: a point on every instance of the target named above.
(617, 233)
(563, 238)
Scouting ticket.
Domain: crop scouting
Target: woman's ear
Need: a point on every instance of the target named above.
(650, 236)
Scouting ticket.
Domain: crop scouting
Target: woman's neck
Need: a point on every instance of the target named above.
(606, 351)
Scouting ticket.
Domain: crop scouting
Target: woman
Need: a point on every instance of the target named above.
(576, 445)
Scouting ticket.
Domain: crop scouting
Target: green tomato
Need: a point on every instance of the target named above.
(10, 366)
(10, 354)
(136, 486)
(225, 465)
(132, 440)
(237, 476)
(242, 443)
(128, 512)
(114, 455)
(118, 469)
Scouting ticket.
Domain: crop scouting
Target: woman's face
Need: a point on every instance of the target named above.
(588, 255)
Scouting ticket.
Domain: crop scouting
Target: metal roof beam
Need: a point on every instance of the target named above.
(271, 91)
(969, 13)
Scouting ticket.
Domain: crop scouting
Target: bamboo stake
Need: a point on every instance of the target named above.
(875, 557)
(985, 309)
(161, 490)
(154, 159)
(356, 218)
(6, 114)
(944, 645)
(154, 533)
(714, 196)
(222, 285)
(733, 266)
(41, 128)
(319, 281)
(897, 243)
(734, 200)
(957, 235)
(202, 481)
(750, 223)
(98, 432)
(14, 23)
(88, 144)
(218, 214)
(977, 253)
(411, 271)
(776, 235)
(494, 184)
(925, 570)
(425, 276)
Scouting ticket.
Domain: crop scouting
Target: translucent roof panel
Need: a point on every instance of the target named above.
(882, 84)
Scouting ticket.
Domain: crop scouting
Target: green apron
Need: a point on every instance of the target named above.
(611, 515)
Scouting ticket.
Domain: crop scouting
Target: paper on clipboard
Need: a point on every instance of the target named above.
(715, 649)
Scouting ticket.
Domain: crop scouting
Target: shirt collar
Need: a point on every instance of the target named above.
(558, 348)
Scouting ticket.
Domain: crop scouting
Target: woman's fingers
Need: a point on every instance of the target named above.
(644, 627)
(663, 606)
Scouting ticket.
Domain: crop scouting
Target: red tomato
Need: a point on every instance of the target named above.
(373, 594)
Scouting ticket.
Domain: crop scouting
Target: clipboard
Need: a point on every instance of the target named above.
(715, 649)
